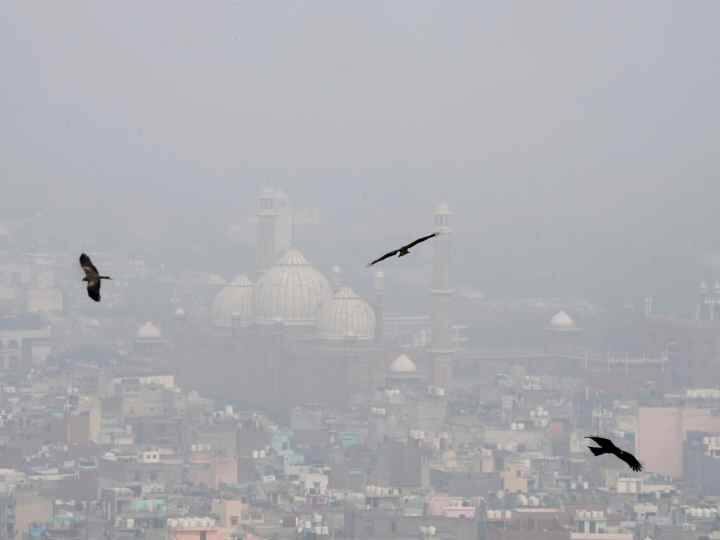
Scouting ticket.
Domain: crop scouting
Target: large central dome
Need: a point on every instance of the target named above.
(292, 291)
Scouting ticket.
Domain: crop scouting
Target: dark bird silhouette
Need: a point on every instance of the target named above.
(404, 250)
(92, 276)
(606, 446)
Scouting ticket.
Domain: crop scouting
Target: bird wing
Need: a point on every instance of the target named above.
(421, 239)
(93, 289)
(387, 255)
(604, 443)
(88, 267)
(631, 460)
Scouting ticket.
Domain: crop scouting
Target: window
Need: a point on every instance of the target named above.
(234, 521)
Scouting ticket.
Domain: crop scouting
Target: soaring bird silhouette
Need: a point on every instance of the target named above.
(606, 446)
(404, 250)
(92, 276)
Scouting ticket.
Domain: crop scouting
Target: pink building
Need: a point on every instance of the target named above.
(661, 435)
(450, 507)
(212, 470)
(233, 513)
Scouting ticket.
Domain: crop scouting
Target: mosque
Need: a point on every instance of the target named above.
(300, 336)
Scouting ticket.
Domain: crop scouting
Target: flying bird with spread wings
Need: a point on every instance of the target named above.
(404, 250)
(92, 276)
(606, 446)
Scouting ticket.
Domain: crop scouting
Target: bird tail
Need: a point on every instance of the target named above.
(597, 451)
(105, 277)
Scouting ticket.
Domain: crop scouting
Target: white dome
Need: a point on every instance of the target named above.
(403, 364)
(149, 331)
(291, 291)
(562, 321)
(234, 301)
(346, 315)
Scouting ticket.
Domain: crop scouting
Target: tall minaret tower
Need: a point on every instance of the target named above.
(702, 300)
(284, 224)
(442, 346)
(379, 287)
(708, 308)
(267, 222)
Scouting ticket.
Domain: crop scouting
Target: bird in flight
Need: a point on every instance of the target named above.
(92, 276)
(606, 446)
(404, 250)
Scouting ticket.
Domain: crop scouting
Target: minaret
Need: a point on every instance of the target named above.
(379, 286)
(442, 346)
(267, 219)
(284, 224)
(702, 300)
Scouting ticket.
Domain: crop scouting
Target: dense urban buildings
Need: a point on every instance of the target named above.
(287, 401)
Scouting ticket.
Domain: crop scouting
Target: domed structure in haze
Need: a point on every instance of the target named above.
(346, 315)
(304, 335)
(292, 291)
(403, 365)
(561, 321)
(149, 332)
(235, 302)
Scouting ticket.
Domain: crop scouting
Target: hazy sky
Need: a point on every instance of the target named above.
(558, 131)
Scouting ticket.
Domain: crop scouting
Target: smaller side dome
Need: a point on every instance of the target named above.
(562, 321)
(234, 302)
(149, 331)
(403, 365)
(346, 315)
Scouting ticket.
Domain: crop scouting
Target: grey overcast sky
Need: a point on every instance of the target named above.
(556, 130)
